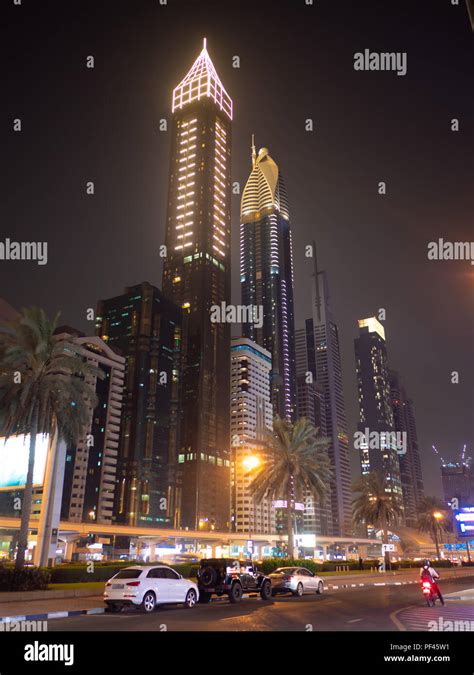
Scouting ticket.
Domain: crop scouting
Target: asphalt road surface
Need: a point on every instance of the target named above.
(381, 608)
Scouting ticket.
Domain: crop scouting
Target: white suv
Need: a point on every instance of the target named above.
(147, 587)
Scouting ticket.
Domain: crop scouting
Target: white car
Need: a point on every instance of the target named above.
(149, 586)
(296, 580)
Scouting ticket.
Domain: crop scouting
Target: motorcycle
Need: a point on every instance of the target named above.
(429, 591)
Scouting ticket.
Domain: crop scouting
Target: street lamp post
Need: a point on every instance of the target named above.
(438, 516)
(250, 463)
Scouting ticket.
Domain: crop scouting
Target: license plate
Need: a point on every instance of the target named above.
(116, 587)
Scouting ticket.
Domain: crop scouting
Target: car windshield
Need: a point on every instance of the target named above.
(128, 574)
(286, 570)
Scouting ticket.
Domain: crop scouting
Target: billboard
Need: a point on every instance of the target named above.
(464, 518)
(14, 461)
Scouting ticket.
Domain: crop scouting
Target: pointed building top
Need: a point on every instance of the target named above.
(373, 326)
(265, 190)
(202, 81)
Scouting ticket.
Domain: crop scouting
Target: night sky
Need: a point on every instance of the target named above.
(297, 62)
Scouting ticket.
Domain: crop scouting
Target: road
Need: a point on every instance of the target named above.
(386, 608)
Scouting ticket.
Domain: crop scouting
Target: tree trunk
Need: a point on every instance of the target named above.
(289, 520)
(385, 541)
(26, 502)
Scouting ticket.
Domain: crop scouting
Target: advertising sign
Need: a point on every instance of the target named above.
(464, 519)
(14, 461)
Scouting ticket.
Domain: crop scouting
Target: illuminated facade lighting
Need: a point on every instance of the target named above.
(202, 81)
(198, 243)
(266, 271)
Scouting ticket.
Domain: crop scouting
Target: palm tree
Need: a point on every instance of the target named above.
(298, 464)
(374, 505)
(433, 518)
(45, 388)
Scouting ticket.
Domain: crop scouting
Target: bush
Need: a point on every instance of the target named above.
(404, 564)
(27, 579)
(77, 572)
(70, 574)
(269, 565)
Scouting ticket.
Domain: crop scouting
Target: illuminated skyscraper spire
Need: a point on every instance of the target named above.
(254, 152)
(202, 80)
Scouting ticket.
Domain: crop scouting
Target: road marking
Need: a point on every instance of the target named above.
(354, 620)
(396, 621)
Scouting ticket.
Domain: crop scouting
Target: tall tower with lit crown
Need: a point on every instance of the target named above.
(196, 276)
(375, 405)
(266, 274)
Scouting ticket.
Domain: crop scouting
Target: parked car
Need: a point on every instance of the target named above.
(149, 586)
(296, 580)
(231, 577)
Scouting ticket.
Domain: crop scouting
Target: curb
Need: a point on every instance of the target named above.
(395, 583)
(52, 615)
(458, 597)
(376, 583)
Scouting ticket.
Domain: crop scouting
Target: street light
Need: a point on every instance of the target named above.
(438, 516)
(250, 463)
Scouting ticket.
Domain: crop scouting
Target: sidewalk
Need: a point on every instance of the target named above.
(389, 578)
(53, 608)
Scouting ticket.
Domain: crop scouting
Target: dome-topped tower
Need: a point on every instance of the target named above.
(265, 190)
(266, 273)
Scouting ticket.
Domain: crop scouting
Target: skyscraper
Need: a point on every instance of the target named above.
(266, 274)
(146, 328)
(317, 517)
(458, 481)
(375, 404)
(319, 354)
(251, 420)
(196, 277)
(410, 462)
(91, 466)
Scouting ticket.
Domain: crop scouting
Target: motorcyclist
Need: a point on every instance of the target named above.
(428, 573)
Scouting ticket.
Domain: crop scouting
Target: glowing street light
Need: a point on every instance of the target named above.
(251, 462)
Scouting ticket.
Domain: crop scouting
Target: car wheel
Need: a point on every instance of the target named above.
(266, 590)
(191, 598)
(299, 590)
(204, 598)
(320, 588)
(112, 607)
(148, 602)
(235, 593)
(208, 576)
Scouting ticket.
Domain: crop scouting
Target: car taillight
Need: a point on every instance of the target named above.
(133, 583)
